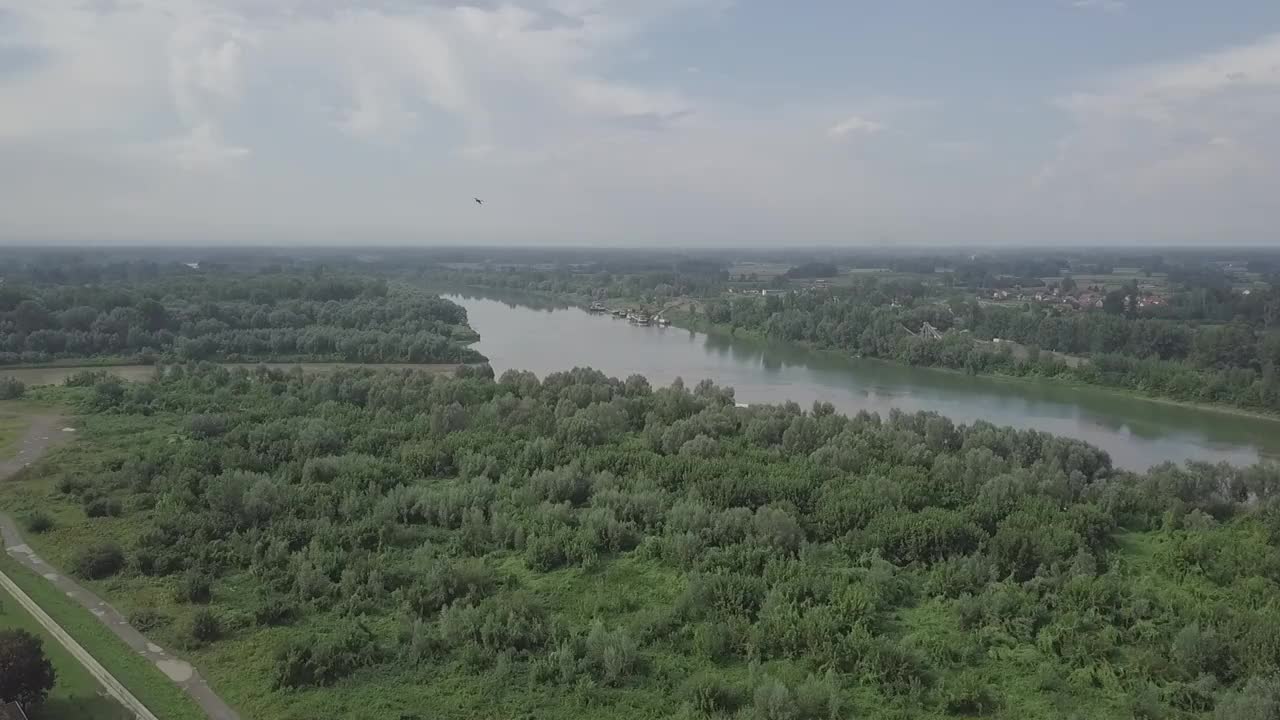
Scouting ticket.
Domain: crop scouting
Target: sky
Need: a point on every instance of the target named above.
(640, 122)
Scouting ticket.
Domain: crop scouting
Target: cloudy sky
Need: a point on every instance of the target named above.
(640, 122)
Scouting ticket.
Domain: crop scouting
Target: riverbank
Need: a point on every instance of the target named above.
(699, 325)
(681, 318)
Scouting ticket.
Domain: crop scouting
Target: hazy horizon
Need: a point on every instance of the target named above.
(645, 124)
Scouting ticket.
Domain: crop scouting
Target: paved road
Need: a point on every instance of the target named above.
(44, 432)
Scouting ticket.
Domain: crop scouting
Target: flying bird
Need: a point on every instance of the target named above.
(478, 201)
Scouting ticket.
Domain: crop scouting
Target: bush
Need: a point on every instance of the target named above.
(1195, 650)
(545, 552)
(98, 561)
(712, 695)
(967, 693)
(613, 655)
(1259, 699)
(85, 378)
(146, 619)
(193, 587)
(205, 625)
(448, 581)
(102, 507)
(38, 522)
(818, 698)
(713, 640)
(772, 701)
(11, 388)
(326, 660)
(70, 485)
(274, 609)
(204, 427)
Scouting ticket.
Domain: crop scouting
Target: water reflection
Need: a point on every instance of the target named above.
(531, 333)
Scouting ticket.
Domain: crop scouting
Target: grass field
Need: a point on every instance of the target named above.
(76, 696)
(134, 672)
(144, 680)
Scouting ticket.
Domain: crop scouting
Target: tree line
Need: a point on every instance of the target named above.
(233, 317)
(1236, 363)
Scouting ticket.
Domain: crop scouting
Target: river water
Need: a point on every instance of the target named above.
(527, 333)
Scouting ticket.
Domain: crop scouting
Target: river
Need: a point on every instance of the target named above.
(528, 333)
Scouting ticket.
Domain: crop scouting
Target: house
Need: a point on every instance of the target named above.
(12, 711)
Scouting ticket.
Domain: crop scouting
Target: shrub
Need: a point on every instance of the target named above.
(102, 507)
(613, 655)
(1196, 650)
(818, 698)
(85, 378)
(713, 640)
(70, 485)
(449, 581)
(967, 693)
(203, 427)
(419, 643)
(146, 619)
(324, 661)
(98, 561)
(772, 701)
(1259, 699)
(711, 694)
(193, 587)
(897, 669)
(1145, 704)
(274, 609)
(205, 625)
(545, 552)
(11, 388)
(38, 522)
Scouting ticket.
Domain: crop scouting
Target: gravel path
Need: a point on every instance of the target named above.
(46, 431)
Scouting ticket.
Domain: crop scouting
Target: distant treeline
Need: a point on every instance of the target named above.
(232, 317)
(1237, 363)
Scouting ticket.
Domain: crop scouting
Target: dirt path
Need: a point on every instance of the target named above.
(46, 431)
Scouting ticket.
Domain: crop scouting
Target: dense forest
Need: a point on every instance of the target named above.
(194, 316)
(397, 544)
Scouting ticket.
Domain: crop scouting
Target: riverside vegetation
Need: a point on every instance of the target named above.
(396, 544)
(179, 315)
(1208, 343)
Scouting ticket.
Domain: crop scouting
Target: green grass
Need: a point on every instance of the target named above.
(26, 492)
(11, 430)
(143, 679)
(14, 420)
(76, 695)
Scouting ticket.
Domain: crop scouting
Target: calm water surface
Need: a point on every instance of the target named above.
(525, 333)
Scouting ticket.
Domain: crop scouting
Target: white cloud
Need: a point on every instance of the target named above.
(203, 149)
(854, 125)
(1111, 6)
(303, 116)
(1187, 146)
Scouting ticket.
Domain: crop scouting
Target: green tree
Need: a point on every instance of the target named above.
(26, 675)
